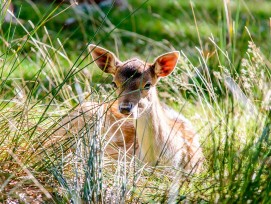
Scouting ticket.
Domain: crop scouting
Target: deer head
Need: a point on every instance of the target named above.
(134, 79)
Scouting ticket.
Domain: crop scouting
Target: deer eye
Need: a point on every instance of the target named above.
(147, 86)
(114, 84)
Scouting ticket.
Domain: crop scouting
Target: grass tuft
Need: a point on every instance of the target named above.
(222, 84)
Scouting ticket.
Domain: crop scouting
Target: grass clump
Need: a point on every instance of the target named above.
(222, 84)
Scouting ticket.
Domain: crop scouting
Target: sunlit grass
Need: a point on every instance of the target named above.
(222, 86)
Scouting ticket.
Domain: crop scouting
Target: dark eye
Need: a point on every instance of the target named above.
(147, 86)
(114, 84)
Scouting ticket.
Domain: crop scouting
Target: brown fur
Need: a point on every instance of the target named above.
(118, 125)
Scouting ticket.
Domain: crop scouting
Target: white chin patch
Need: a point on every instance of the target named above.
(141, 108)
(137, 112)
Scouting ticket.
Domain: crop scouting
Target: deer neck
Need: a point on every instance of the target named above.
(152, 129)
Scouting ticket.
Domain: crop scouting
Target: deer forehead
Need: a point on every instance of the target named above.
(134, 71)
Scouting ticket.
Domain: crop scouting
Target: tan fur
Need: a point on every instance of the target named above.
(160, 136)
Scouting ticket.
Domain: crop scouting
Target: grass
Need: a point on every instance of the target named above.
(222, 84)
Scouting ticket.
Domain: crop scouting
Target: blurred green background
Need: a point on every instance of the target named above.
(145, 25)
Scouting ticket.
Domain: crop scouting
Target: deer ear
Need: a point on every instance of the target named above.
(165, 64)
(104, 59)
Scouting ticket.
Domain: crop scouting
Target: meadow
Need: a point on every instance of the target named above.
(222, 84)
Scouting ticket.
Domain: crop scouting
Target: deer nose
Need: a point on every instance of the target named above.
(125, 108)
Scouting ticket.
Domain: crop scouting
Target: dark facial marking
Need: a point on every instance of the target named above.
(130, 72)
(133, 69)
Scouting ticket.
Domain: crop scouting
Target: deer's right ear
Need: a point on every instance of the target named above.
(104, 59)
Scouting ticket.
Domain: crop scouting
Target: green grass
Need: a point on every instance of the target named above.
(222, 84)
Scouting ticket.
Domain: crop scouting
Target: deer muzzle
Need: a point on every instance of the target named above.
(126, 108)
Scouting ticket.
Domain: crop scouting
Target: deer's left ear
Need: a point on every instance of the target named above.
(165, 64)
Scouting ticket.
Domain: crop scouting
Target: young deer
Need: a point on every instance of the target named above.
(160, 136)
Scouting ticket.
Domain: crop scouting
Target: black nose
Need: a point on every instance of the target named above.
(125, 108)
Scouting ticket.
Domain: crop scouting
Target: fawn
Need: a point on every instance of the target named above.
(159, 134)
